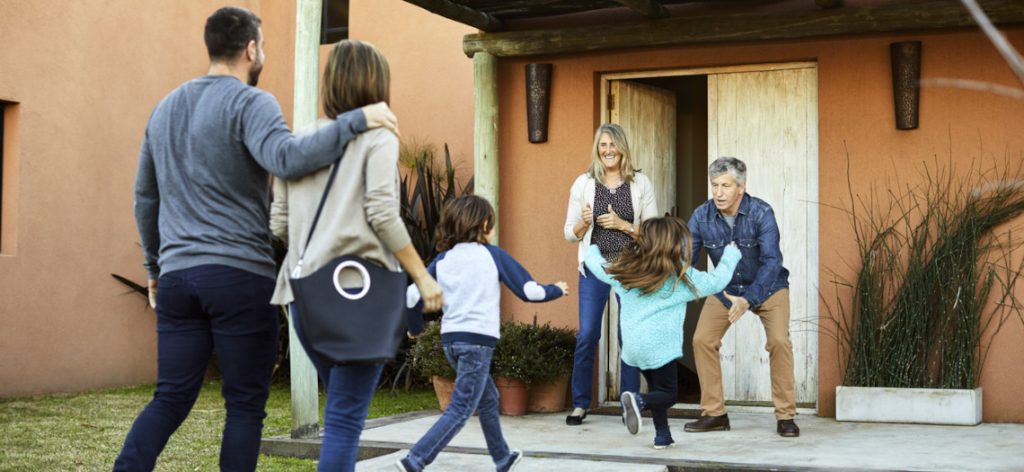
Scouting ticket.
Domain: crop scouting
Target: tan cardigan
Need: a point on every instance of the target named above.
(361, 216)
(645, 206)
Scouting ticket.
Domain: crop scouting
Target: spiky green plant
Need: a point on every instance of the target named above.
(921, 314)
(425, 190)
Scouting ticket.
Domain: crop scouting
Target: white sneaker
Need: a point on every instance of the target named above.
(631, 413)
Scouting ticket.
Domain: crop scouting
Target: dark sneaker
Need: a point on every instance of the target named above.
(517, 456)
(788, 429)
(576, 417)
(662, 437)
(631, 412)
(662, 443)
(708, 423)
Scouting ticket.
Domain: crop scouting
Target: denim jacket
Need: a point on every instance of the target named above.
(760, 272)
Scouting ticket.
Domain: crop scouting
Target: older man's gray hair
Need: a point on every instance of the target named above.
(731, 165)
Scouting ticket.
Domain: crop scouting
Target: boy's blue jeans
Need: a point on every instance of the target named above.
(593, 295)
(201, 311)
(349, 391)
(474, 390)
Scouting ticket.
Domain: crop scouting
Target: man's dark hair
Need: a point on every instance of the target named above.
(228, 32)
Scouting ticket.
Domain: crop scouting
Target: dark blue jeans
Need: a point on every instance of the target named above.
(663, 386)
(200, 311)
(593, 295)
(349, 391)
(474, 390)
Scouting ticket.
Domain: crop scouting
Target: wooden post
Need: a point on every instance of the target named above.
(305, 407)
(485, 131)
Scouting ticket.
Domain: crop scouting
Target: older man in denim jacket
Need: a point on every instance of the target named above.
(760, 285)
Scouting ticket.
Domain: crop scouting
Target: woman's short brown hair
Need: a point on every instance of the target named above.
(466, 219)
(356, 75)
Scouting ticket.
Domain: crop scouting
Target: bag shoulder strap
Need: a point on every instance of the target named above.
(319, 209)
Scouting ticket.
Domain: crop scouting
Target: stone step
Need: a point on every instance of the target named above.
(454, 461)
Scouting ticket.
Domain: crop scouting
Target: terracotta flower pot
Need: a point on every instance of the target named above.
(443, 388)
(513, 396)
(548, 397)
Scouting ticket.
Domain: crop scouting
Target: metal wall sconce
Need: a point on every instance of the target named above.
(906, 82)
(538, 101)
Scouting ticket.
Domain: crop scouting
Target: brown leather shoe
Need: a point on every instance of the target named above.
(708, 423)
(788, 429)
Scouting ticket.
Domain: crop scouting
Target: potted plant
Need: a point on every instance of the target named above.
(934, 284)
(549, 364)
(510, 367)
(429, 360)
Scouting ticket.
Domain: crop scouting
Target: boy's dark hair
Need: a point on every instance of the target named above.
(228, 32)
(464, 220)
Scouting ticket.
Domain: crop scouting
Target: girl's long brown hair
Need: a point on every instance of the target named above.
(466, 219)
(661, 251)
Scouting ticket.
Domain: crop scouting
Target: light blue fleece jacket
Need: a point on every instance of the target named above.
(652, 324)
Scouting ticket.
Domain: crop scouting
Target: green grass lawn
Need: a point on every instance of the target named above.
(84, 432)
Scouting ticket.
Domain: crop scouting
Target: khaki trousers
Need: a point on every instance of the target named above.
(707, 340)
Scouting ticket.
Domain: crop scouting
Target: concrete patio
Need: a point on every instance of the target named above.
(602, 443)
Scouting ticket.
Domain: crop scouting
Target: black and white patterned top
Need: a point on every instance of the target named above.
(611, 241)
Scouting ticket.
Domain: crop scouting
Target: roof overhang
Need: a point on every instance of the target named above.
(540, 27)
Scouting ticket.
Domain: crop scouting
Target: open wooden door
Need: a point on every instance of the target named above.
(648, 116)
(769, 119)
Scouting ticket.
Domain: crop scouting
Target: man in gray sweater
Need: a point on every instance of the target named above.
(202, 198)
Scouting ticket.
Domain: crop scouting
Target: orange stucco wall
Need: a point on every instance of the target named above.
(855, 113)
(85, 80)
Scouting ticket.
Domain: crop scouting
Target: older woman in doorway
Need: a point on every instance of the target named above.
(606, 205)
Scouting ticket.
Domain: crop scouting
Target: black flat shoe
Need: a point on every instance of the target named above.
(576, 417)
(788, 429)
(708, 423)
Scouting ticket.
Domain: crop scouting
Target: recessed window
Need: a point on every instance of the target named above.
(8, 177)
(335, 21)
(3, 110)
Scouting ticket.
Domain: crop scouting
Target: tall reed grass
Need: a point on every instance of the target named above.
(935, 281)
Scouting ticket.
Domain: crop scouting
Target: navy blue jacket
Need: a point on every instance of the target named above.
(760, 272)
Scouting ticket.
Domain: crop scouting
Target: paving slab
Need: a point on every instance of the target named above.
(752, 444)
(448, 461)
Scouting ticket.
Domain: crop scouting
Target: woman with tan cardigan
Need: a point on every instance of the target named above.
(606, 205)
(360, 217)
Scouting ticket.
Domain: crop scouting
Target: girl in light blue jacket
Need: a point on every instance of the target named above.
(654, 280)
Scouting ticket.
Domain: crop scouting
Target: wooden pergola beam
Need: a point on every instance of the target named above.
(931, 15)
(648, 8)
(461, 13)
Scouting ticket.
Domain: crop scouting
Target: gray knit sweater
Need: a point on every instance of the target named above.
(202, 191)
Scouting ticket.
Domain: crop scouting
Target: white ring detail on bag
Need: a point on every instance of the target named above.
(362, 272)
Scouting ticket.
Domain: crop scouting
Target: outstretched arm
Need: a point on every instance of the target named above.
(596, 262)
(710, 283)
(516, 278)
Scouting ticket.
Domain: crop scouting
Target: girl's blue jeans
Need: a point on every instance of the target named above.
(593, 295)
(474, 390)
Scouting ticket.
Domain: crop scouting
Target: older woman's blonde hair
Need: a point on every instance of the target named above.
(621, 144)
(356, 75)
